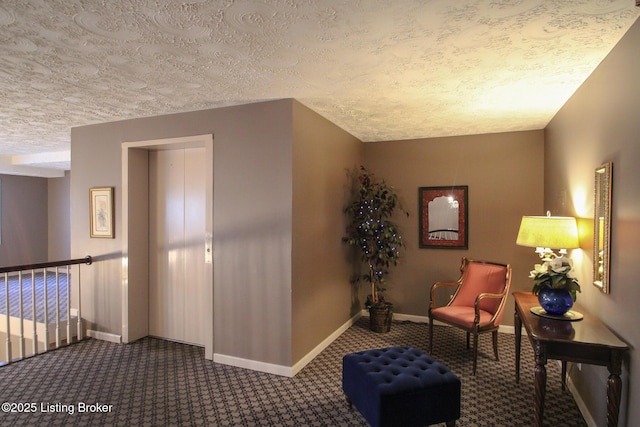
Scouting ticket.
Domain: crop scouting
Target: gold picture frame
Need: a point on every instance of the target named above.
(602, 227)
(102, 212)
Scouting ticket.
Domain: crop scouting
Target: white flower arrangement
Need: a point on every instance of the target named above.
(555, 273)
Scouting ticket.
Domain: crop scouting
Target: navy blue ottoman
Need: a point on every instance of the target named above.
(401, 386)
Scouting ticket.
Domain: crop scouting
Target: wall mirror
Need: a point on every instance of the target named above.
(443, 217)
(602, 226)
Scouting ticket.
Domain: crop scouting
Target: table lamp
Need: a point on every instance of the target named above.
(546, 233)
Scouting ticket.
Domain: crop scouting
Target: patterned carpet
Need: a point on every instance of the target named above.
(54, 290)
(159, 383)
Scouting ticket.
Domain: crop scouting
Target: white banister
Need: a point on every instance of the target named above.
(46, 310)
(78, 315)
(21, 309)
(69, 305)
(44, 293)
(58, 340)
(6, 289)
(34, 313)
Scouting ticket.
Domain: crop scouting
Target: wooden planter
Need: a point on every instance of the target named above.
(380, 319)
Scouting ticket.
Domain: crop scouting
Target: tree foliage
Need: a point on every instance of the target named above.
(372, 231)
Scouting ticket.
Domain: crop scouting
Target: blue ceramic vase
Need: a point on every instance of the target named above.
(555, 301)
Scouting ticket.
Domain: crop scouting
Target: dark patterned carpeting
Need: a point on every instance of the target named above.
(56, 293)
(160, 383)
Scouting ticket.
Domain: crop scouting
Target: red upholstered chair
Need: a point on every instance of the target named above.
(477, 306)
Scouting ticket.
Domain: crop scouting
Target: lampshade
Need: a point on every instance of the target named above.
(555, 232)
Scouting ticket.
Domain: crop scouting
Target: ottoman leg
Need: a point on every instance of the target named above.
(451, 423)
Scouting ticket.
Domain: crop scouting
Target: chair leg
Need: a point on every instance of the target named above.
(468, 335)
(495, 344)
(475, 352)
(430, 335)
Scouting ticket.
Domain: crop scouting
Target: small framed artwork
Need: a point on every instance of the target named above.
(102, 212)
(444, 222)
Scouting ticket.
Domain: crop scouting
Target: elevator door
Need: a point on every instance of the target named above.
(177, 292)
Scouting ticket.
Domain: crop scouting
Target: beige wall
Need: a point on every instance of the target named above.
(600, 124)
(23, 220)
(504, 173)
(322, 299)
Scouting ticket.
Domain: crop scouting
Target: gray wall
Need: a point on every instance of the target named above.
(24, 220)
(504, 173)
(600, 124)
(253, 218)
(59, 229)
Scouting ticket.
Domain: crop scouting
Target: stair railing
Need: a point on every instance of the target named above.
(15, 296)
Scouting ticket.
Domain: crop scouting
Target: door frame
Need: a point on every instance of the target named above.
(135, 235)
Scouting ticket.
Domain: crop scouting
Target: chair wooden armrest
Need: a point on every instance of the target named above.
(488, 295)
(477, 305)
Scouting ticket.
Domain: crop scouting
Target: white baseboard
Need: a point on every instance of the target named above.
(324, 344)
(286, 371)
(253, 365)
(104, 336)
(425, 319)
(409, 318)
(582, 406)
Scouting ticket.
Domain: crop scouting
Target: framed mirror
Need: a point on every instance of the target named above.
(443, 217)
(602, 226)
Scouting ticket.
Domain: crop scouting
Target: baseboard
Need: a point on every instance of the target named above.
(324, 344)
(253, 365)
(104, 336)
(286, 371)
(409, 318)
(425, 319)
(582, 406)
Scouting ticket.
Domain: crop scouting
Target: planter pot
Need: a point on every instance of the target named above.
(555, 301)
(380, 318)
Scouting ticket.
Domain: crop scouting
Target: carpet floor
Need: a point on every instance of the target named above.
(21, 296)
(158, 383)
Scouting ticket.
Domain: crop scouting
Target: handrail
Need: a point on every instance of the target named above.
(86, 260)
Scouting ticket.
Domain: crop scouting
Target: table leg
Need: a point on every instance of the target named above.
(614, 389)
(540, 372)
(517, 325)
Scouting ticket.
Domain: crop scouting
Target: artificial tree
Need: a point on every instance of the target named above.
(373, 233)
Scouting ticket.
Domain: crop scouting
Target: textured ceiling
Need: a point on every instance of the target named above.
(380, 69)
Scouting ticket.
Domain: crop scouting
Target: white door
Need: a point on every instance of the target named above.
(177, 228)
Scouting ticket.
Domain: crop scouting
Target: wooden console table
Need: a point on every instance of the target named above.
(582, 341)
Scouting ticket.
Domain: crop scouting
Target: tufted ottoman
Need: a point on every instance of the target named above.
(401, 386)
